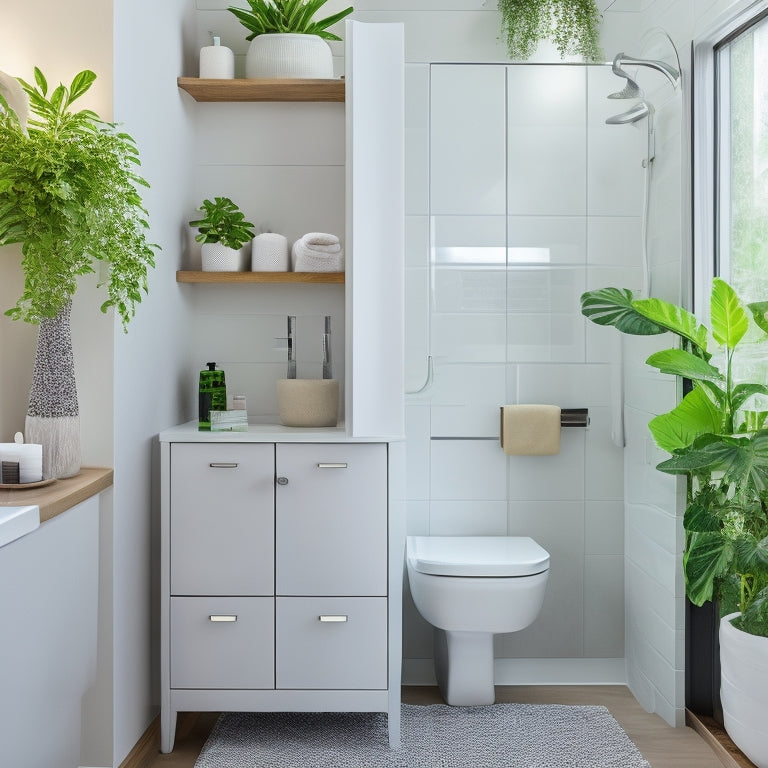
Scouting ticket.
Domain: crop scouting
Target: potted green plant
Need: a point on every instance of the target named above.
(573, 26)
(718, 438)
(69, 195)
(286, 40)
(223, 231)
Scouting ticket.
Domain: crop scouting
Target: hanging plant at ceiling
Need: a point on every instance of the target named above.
(572, 25)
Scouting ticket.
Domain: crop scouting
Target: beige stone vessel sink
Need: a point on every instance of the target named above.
(308, 402)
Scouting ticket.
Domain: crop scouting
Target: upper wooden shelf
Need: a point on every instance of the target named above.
(192, 276)
(243, 89)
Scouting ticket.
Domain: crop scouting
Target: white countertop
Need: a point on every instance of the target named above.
(267, 433)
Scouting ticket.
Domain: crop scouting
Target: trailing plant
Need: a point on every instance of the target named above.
(223, 223)
(717, 437)
(573, 26)
(292, 16)
(69, 195)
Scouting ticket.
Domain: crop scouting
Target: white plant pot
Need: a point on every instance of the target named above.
(290, 56)
(744, 689)
(218, 258)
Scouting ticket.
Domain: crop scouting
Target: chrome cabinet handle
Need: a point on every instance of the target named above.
(332, 618)
(332, 465)
(222, 617)
(282, 481)
(223, 465)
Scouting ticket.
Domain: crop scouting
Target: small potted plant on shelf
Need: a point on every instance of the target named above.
(718, 438)
(286, 41)
(573, 26)
(224, 232)
(69, 195)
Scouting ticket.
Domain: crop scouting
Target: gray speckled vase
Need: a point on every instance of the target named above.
(53, 417)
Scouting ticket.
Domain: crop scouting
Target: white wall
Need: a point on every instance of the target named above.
(150, 392)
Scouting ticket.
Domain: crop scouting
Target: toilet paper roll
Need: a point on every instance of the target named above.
(269, 253)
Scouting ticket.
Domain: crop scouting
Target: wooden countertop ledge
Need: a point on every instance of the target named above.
(62, 495)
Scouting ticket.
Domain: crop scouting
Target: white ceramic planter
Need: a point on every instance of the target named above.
(218, 258)
(744, 690)
(288, 55)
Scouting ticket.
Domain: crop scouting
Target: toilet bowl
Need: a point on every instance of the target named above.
(471, 588)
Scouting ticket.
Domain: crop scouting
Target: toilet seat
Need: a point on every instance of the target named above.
(483, 556)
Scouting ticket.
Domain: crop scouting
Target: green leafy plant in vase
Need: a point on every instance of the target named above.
(286, 39)
(718, 439)
(223, 231)
(69, 195)
(573, 26)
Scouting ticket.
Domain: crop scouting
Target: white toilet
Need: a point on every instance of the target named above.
(470, 588)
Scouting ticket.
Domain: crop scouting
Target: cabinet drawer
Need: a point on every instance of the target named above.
(222, 642)
(331, 643)
(331, 521)
(222, 519)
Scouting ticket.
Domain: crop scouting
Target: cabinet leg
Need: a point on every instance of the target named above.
(393, 727)
(167, 730)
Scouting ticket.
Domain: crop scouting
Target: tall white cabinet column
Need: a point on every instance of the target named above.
(282, 548)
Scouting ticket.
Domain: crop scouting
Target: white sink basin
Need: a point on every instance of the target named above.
(16, 522)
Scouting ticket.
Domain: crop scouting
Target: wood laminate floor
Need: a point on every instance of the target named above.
(661, 745)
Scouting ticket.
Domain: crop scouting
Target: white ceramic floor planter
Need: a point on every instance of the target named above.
(744, 690)
(289, 55)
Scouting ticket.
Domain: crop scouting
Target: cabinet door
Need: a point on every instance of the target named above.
(222, 519)
(331, 642)
(331, 519)
(222, 642)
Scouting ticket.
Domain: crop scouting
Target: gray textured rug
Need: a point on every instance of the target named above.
(437, 736)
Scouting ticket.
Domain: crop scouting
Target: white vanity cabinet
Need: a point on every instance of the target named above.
(277, 588)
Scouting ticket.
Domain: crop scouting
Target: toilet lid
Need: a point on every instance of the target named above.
(477, 555)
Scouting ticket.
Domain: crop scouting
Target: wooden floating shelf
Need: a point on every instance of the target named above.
(192, 276)
(244, 89)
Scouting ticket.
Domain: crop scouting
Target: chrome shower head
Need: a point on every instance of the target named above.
(672, 74)
(631, 90)
(632, 115)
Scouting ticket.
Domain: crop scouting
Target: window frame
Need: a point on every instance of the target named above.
(707, 137)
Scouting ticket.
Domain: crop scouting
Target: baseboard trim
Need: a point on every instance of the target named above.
(533, 672)
(718, 741)
(145, 750)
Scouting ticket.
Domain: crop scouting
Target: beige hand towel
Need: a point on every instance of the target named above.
(530, 430)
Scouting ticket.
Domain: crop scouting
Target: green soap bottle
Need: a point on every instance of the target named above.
(212, 395)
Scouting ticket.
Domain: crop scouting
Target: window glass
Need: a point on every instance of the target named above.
(742, 242)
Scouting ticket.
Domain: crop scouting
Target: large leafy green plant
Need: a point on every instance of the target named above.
(223, 223)
(717, 438)
(573, 26)
(293, 16)
(69, 195)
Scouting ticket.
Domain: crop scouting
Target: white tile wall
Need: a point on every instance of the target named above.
(467, 137)
(604, 606)
(546, 140)
(467, 470)
(466, 400)
(468, 518)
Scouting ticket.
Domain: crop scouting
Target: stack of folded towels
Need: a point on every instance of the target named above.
(317, 252)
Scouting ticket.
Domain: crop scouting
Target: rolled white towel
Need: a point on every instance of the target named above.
(317, 252)
(320, 238)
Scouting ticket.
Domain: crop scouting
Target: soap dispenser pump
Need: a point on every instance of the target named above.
(212, 395)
